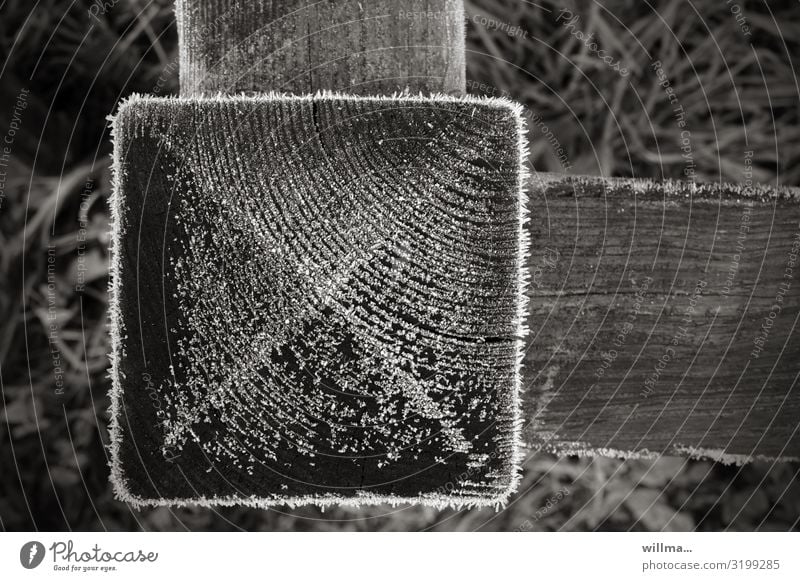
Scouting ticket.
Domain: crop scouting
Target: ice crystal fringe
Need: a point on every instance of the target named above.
(668, 187)
(696, 453)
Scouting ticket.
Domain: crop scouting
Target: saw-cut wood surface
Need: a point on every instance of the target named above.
(664, 319)
(317, 300)
(367, 47)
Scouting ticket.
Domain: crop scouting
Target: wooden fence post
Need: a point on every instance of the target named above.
(375, 47)
(663, 315)
(324, 290)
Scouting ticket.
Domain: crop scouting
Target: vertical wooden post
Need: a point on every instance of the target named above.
(304, 46)
(340, 283)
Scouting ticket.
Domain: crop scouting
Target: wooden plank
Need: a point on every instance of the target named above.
(303, 46)
(663, 319)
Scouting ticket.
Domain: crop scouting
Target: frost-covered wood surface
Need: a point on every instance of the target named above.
(663, 319)
(265, 285)
(370, 47)
(317, 299)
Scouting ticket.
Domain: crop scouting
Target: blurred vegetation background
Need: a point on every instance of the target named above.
(74, 60)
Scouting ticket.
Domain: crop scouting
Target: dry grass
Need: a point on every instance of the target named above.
(52, 446)
(736, 96)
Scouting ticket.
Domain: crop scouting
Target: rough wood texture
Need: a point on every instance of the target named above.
(663, 319)
(317, 300)
(303, 46)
